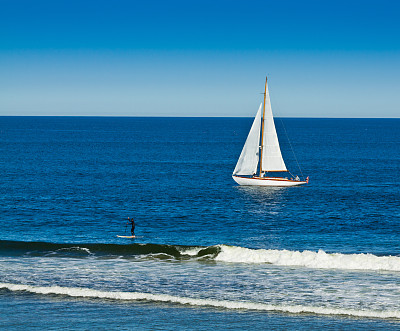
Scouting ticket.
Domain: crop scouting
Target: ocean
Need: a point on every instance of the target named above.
(209, 254)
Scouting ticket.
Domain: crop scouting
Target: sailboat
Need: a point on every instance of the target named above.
(257, 161)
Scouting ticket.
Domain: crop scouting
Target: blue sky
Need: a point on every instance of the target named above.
(199, 58)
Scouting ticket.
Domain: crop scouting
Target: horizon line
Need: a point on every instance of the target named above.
(172, 116)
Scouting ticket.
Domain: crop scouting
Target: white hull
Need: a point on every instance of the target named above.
(266, 181)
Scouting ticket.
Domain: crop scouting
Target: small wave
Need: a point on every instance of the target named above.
(139, 296)
(309, 259)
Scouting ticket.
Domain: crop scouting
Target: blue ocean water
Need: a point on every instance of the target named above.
(209, 253)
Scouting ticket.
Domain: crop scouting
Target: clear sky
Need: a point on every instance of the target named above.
(199, 57)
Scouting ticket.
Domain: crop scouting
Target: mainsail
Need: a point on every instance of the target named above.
(248, 160)
(271, 153)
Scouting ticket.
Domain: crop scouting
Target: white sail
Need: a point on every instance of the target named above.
(248, 160)
(271, 154)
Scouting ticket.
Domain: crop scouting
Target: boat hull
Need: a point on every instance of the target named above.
(266, 181)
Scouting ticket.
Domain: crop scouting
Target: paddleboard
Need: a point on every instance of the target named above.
(129, 237)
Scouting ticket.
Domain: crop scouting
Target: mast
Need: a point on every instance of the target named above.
(262, 127)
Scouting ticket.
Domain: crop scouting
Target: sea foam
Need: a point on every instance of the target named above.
(138, 296)
(308, 259)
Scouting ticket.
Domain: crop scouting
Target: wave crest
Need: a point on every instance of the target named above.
(16, 248)
(137, 296)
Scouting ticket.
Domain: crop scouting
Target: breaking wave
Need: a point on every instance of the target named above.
(309, 259)
(140, 296)
(218, 253)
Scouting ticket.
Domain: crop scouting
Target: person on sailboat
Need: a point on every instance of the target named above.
(132, 222)
(297, 178)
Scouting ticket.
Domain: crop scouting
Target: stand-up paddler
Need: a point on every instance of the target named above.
(132, 222)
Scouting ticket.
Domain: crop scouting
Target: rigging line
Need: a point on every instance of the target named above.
(291, 147)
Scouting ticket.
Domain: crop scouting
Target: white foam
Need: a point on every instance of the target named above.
(309, 259)
(135, 296)
(193, 251)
